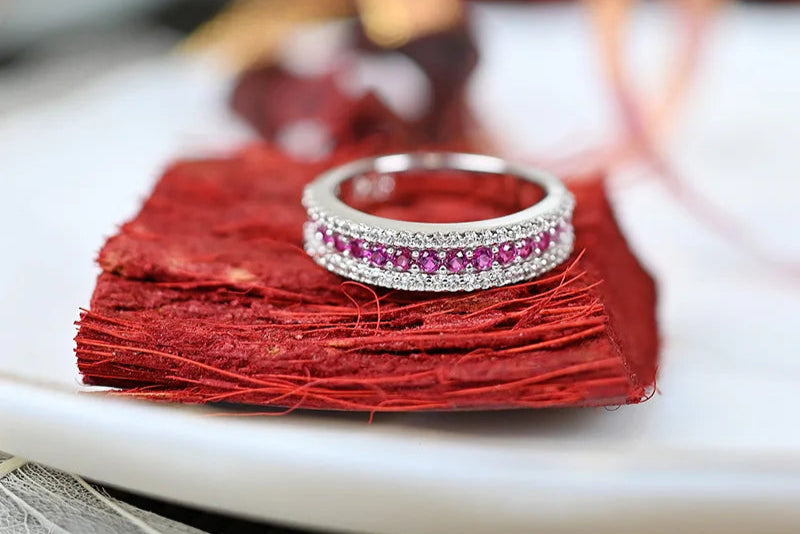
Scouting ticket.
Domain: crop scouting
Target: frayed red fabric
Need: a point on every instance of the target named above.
(207, 296)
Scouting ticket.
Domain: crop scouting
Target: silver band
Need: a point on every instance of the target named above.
(435, 257)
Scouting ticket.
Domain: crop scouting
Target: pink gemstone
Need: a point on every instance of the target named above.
(507, 253)
(379, 256)
(402, 259)
(526, 248)
(340, 242)
(429, 261)
(327, 237)
(358, 249)
(455, 261)
(482, 258)
(544, 240)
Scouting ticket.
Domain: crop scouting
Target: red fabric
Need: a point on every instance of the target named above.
(207, 296)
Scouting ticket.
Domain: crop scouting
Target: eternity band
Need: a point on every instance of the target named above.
(417, 256)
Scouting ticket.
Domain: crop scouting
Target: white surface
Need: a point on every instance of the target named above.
(720, 446)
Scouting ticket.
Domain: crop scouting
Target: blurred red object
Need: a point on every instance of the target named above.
(272, 99)
(207, 296)
(448, 59)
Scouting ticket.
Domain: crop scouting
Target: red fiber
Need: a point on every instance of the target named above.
(207, 296)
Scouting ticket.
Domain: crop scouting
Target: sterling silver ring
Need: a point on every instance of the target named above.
(418, 256)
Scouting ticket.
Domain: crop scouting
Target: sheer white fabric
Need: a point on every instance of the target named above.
(35, 499)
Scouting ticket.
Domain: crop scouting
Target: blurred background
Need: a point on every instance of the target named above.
(690, 107)
(576, 86)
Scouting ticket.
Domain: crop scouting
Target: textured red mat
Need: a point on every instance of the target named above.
(207, 296)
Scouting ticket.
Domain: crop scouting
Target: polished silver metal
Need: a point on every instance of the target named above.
(466, 256)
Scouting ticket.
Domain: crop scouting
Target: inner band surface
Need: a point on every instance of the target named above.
(327, 187)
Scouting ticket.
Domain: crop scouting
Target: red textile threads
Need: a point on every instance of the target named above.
(207, 296)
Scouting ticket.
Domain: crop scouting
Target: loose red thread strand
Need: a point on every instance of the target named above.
(645, 125)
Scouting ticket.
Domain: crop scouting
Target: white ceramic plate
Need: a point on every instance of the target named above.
(719, 448)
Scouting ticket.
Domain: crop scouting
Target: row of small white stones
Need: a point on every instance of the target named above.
(356, 269)
(514, 232)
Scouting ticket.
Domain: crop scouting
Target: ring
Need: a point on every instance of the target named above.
(421, 256)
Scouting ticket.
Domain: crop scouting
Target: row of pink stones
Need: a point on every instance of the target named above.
(453, 260)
